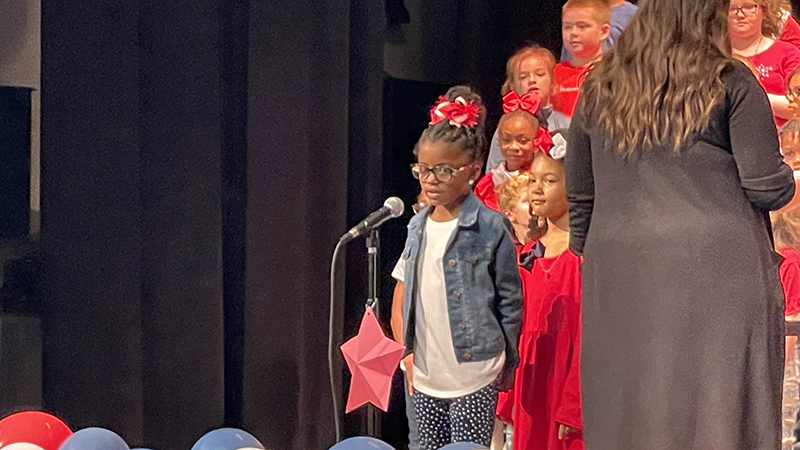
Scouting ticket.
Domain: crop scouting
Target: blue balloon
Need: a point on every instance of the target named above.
(94, 439)
(463, 446)
(362, 443)
(227, 439)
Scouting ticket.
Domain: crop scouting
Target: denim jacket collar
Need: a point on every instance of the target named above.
(467, 217)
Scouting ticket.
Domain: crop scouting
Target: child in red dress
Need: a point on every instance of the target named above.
(520, 135)
(786, 226)
(547, 394)
(585, 24)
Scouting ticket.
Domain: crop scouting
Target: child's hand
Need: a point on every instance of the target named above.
(564, 430)
(506, 381)
(408, 363)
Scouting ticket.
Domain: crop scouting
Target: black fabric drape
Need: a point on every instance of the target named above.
(131, 234)
(299, 95)
(195, 178)
(180, 129)
(91, 242)
(199, 160)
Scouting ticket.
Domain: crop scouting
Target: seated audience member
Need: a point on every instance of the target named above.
(753, 29)
(584, 27)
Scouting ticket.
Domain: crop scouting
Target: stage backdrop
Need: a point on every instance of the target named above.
(199, 160)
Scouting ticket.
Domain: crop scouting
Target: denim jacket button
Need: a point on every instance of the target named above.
(456, 294)
(467, 356)
(461, 326)
(452, 262)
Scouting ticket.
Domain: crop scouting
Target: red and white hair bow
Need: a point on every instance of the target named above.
(458, 112)
(529, 102)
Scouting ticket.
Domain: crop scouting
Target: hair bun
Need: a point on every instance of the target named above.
(458, 118)
(469, 94)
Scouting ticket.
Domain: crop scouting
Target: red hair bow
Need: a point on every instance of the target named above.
(459, 112)
(529, 102)
(543, 142)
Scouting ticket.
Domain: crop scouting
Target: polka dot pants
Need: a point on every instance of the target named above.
(464, 419)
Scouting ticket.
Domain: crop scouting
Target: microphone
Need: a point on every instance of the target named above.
(392, 207)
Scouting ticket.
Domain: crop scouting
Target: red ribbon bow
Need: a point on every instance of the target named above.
(529, 102)
(458, 112)
(543, 142)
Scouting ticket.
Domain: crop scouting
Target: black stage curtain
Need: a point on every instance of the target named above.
(298, 102)
(131, 235)
(195, 179)
(199, 160)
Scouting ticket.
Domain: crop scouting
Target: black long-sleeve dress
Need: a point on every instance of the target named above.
(682, 304)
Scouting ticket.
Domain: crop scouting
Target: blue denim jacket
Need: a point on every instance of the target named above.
(484, 292)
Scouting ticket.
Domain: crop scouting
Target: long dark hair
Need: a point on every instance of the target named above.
(662, 79)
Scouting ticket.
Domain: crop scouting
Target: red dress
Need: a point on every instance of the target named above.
(526, 254)
(547, 391)
(790, 280)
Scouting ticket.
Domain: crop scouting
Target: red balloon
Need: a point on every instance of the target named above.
(34, 427)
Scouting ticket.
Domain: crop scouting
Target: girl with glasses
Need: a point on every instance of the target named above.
(754, 27)
(462, 295)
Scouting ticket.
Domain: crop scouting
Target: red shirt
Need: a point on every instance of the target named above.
(773, 67)
(790, 280)
(567, 89)
(791, 32)
(547, 389)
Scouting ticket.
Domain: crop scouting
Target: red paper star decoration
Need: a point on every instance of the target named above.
(372, 359)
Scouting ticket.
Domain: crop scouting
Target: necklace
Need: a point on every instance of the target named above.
(552, 265)
(746, 53)
(758, 46)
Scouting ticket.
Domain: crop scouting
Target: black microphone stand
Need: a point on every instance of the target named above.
(373, 245)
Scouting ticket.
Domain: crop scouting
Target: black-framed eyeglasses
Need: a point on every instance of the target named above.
(748, 9)
(442, 172)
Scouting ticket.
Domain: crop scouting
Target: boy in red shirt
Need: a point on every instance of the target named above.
(585, 24)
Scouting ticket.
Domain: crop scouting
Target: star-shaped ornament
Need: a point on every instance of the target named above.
(372, 359)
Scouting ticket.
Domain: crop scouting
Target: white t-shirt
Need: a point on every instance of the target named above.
(437, 372)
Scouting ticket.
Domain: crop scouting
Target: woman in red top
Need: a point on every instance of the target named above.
(520, 134)
(753, 29)
(547, 395)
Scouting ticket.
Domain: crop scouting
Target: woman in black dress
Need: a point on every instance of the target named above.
(672, 166)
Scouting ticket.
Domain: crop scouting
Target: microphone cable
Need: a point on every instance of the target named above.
(331, 339)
